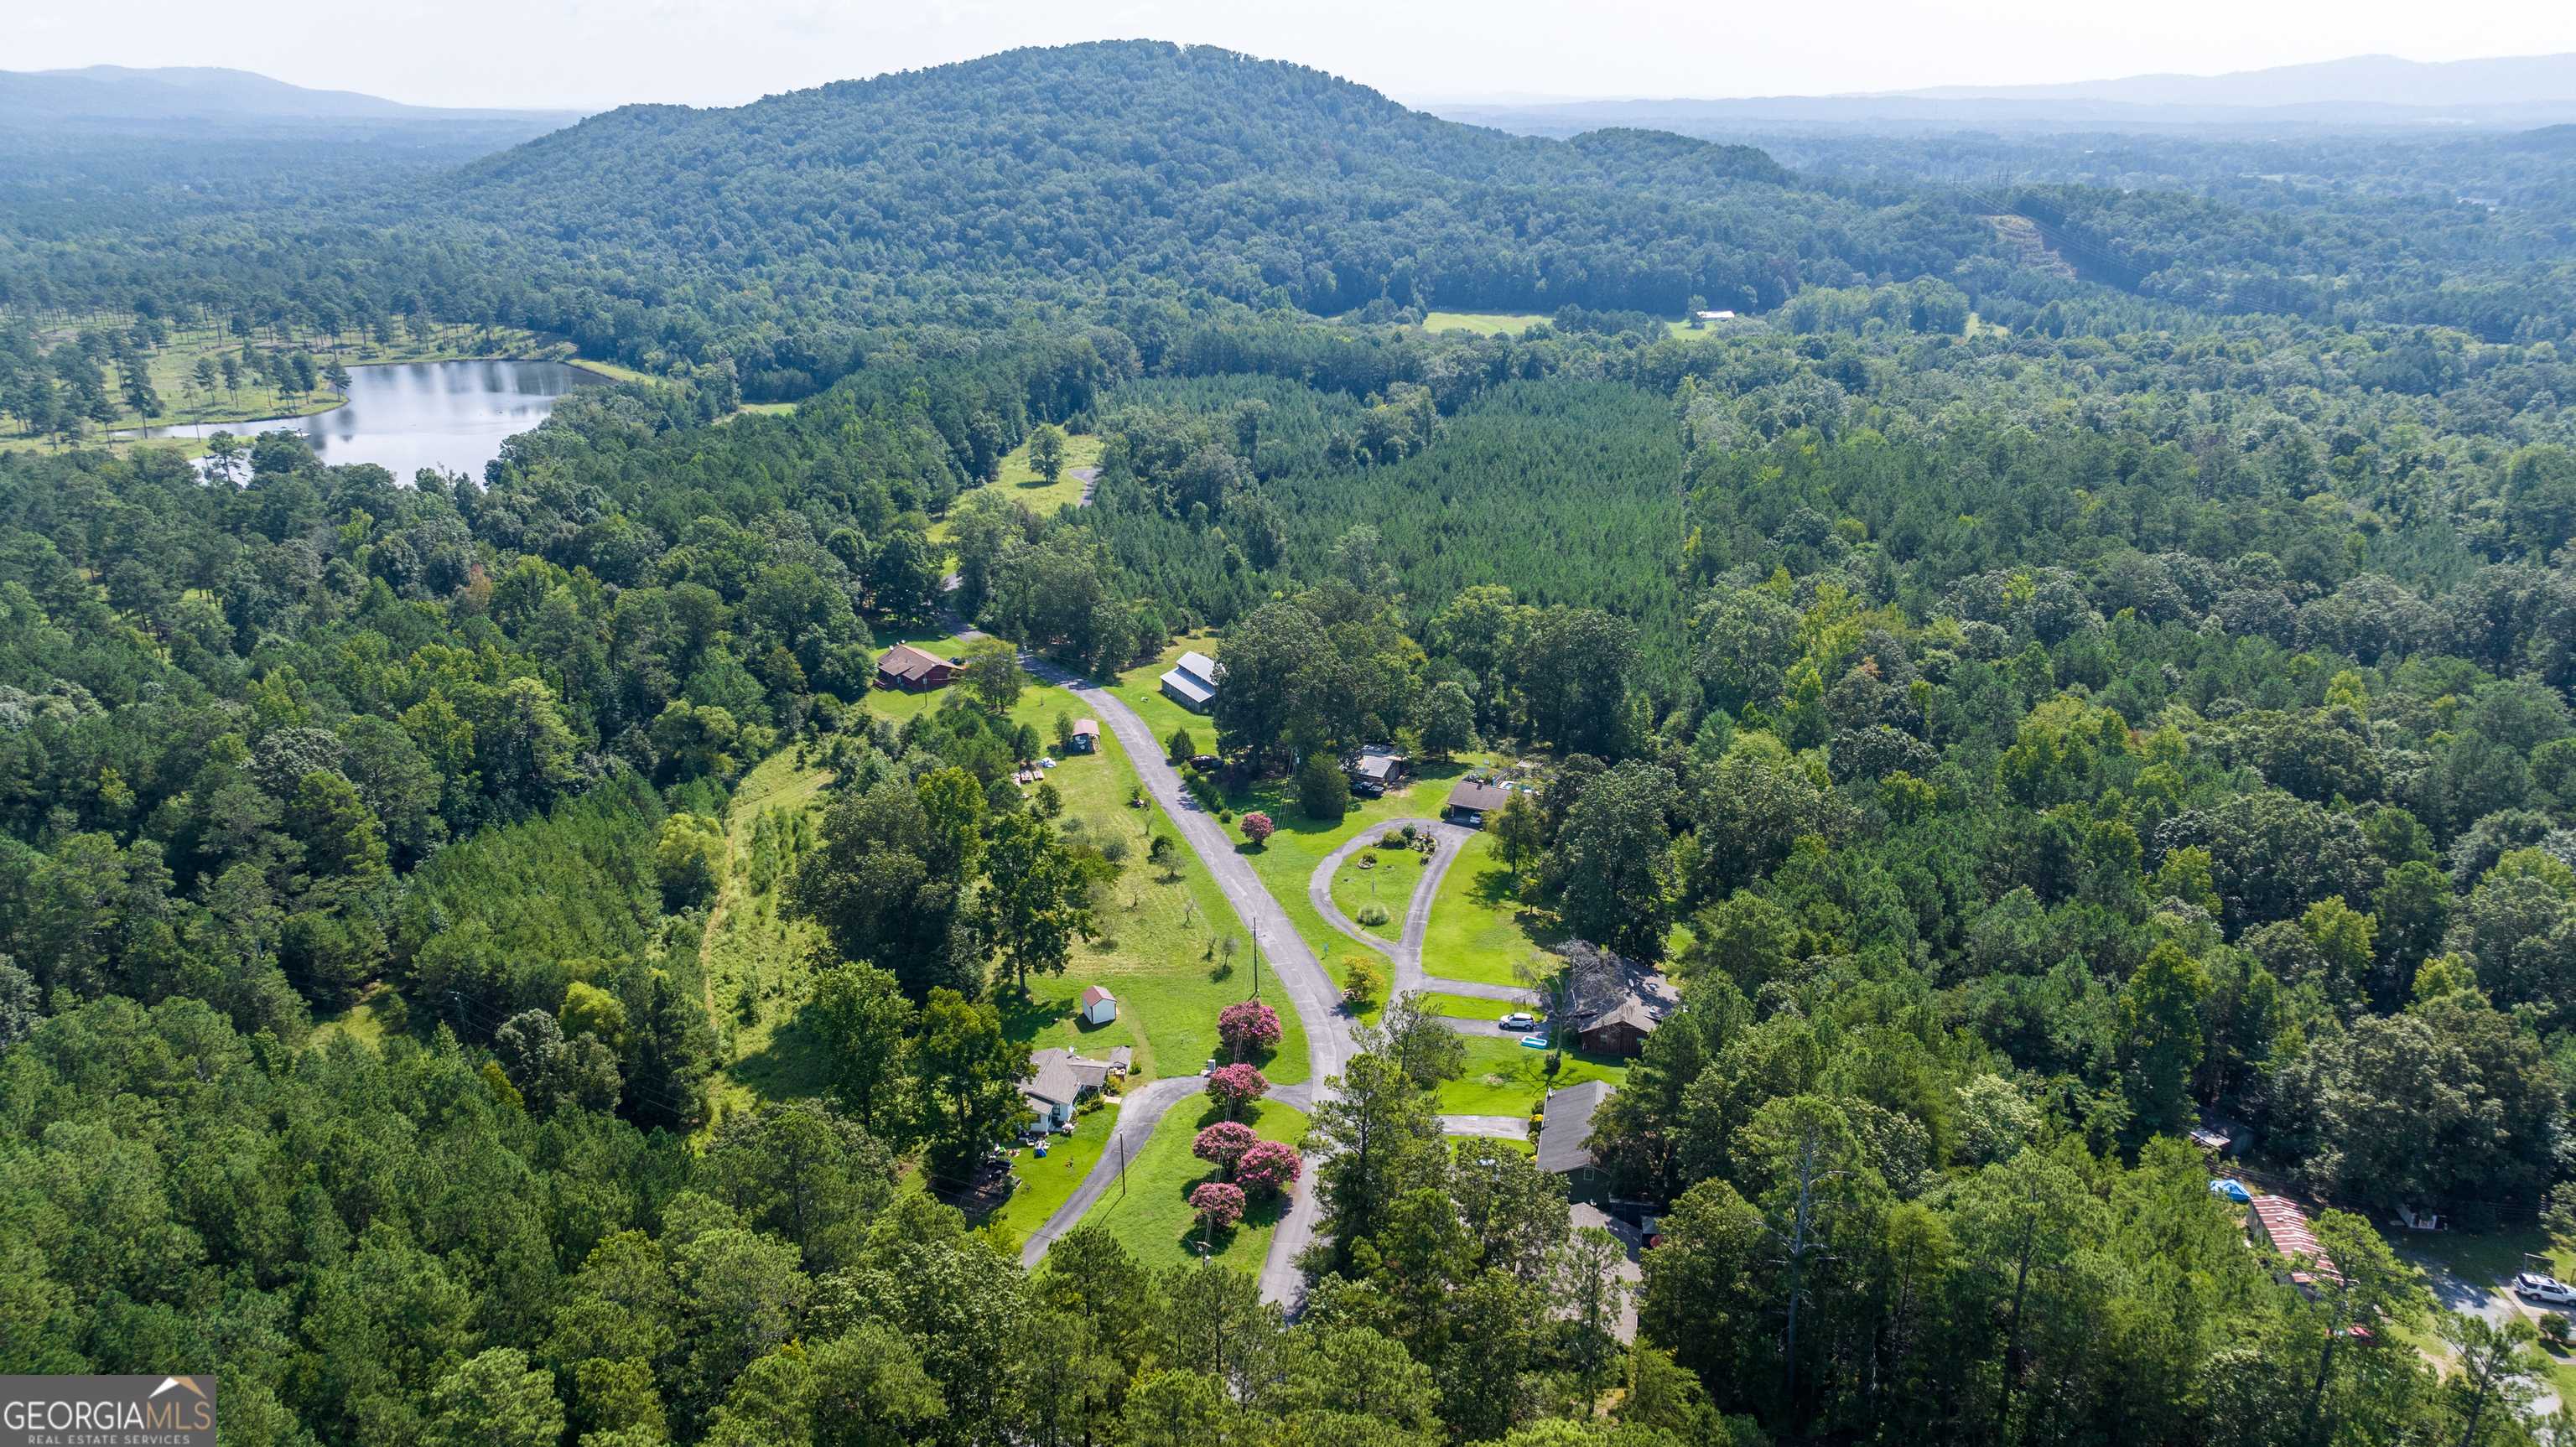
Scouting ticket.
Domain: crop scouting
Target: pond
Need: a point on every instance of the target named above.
(405, 416)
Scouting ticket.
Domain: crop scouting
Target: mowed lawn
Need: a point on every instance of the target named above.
(1479, 930)
(1486, 324)
(1153, 1217)
(1382, 877)
(1161, 946)
(1470, 1007)
(1158, 949)
(1505, 1077)
(1021, 484)
(1141, 689)
(1289, 859)
(1046, 1182)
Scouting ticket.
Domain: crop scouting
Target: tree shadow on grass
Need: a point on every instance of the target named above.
(1023, 1016)
(1261, 1209)
(791, 1063)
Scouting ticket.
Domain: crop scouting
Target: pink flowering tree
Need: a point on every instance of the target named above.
(1218, 1204)
(1234, 1087)
(1268, 1166)
(1223, 1144)
(1257, 827)
(1248, 1027)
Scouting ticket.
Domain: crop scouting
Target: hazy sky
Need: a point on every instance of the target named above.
(590, 54)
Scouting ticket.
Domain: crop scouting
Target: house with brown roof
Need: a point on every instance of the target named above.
(914, 669)
(1613, 1003)
(1473, 799)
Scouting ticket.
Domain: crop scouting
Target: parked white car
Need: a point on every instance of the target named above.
(1519, 1020)
(2549, 1290)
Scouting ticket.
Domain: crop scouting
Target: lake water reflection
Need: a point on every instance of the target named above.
(410, 415)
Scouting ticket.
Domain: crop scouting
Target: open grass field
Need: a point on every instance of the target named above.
(365, 1022)
(1152, 1218)
(1492, 324)
(1381, 877)
(1488, 324)
(1479, 929)
(747, 409)
(1505, 1077)
(1161, 950)
(1046, 1182)
(754, 958)
(1021, 484)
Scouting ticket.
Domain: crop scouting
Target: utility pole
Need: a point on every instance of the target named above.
(1256, 963)
(1122, 1168)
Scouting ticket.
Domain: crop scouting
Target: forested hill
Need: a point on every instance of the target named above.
(1057, 170)
(1089, 179)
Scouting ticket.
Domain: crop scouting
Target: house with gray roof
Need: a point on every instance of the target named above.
(1191, 683)
(1565, 1134)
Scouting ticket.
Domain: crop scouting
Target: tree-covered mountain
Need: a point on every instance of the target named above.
(199, 92)
(1074, 170)
(1073, 176)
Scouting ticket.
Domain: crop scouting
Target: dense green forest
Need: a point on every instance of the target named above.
(780, 238)
(2035, 694)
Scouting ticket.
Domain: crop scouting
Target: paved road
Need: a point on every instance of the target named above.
(1630, 1275)
(1137, 1117)
(2497, 1303)
(1500, 1127)
(1089, 477)
(1292, 966)
(1406, 952)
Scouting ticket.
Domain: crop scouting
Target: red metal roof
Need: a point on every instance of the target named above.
(2286, 1227)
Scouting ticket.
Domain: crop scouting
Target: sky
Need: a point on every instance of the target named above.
(593, 54)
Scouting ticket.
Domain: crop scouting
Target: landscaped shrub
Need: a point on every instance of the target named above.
(1218, 1205)
(1247, 1027)
(1268, 1166)
(1322, 792)
(1363, 981)
(1372, 914)
(1257, 827)
(1233, 1087)
(1391, 839)
(1223, 1144)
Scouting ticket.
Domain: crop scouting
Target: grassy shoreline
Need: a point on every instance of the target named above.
(170, 368)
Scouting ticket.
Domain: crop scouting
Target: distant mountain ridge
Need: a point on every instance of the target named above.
(117, 92)
(2378, 79)
(2364, 90)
